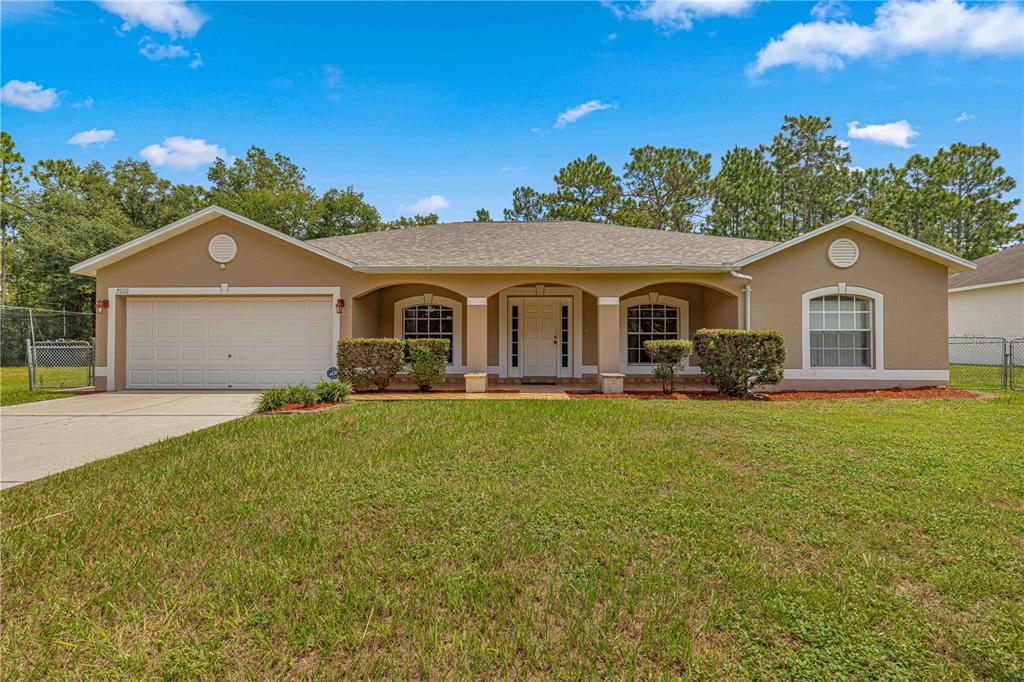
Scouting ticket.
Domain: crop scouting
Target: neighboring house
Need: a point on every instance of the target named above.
(990, 300)
(216, 300)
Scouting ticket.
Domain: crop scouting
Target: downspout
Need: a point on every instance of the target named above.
(746, 296)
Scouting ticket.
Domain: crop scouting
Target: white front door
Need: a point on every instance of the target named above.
(541, 318)
(227, 341)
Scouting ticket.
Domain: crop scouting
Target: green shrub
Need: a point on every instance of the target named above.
(370, 362)
(736, 360)
(429, 360)
(271, 399)
(330, 391)
(301, 394)
(668, 356)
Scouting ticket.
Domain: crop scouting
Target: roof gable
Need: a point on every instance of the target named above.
(92, 265)
(953, 263)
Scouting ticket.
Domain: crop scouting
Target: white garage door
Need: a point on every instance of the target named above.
(228, 341)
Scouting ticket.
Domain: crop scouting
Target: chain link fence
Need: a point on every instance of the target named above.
(1016, 362)
(19, 325)
(60, 364)
(986, 362)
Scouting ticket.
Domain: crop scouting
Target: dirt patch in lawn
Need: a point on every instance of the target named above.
(784, 396)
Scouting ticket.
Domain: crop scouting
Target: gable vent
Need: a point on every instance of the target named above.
(223, 248)
(843, 252)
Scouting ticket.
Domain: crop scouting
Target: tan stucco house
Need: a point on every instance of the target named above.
(216, 300)
(990, 300)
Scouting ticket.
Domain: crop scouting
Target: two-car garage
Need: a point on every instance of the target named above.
(204, 342)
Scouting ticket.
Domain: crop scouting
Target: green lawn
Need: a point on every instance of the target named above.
(866, 539)
(14, 384)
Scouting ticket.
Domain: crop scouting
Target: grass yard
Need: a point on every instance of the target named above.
(866, 539)
(14, 384)
(979, 376)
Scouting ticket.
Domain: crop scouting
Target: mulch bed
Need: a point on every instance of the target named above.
(785, 396)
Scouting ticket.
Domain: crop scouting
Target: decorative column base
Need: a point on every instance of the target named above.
(476, 382)
(612, 382)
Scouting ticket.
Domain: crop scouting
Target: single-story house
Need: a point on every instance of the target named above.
(216, 300)
(989, 301)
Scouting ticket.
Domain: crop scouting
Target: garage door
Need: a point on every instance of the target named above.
(227, 342)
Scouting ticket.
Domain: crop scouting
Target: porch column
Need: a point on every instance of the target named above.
(476, 345)
(608, 359)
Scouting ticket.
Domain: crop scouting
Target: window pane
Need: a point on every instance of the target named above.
(831, 303)
(831, 321)
(846, 320)
(817, 304)
(863, 305)
(863, 320)
(846, 304)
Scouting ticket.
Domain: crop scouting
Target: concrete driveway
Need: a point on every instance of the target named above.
(40, 439)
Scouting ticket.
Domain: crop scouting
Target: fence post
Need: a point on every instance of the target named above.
(31, 364)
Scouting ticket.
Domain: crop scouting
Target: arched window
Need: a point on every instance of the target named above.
(840, 331)
(648, 322)
(430, 321)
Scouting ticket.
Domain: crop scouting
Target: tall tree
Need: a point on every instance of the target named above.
(146, 199)
(744, 197)
(72, 216)
(13, 187)
(904, 198)
(527, 204)
(586, 189)
(343, 212)
(269, 190)
(668, 186)
(973, 215)
(482, 216)
(813, 180)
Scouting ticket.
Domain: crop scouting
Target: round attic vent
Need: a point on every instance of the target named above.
(223, 248)
(843, 252)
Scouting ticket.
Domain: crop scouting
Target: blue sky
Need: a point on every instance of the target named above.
(460, 102)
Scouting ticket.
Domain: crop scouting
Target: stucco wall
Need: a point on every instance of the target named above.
(913, 287)
(991, 311)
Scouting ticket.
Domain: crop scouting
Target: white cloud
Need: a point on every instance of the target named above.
(577, 112)
(84, 103)
(90, 137)
(28, 95)
(183, 153)
(156, 52)
(898, 133)
(612, 37)
(197, 61)
(675, 15)
(171, 17)
(430, 204)
(513, 169)
(964, 117)
(827, 10)
(900, 27)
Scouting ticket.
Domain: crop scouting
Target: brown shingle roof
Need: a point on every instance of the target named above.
(551, 244)
(1000, 266)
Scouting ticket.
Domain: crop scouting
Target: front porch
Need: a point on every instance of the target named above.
(557, 333)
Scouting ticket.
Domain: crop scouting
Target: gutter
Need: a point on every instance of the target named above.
(746, 296)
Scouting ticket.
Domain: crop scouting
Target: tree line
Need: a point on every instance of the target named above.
(803, 179)
(56, 213)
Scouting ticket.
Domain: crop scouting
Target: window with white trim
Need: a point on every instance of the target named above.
(649, 322)
(840, 331)
(430, 321)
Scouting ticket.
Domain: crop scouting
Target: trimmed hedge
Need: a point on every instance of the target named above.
(736, 360)
(370, 362)
(668, 356)
(429, 361)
